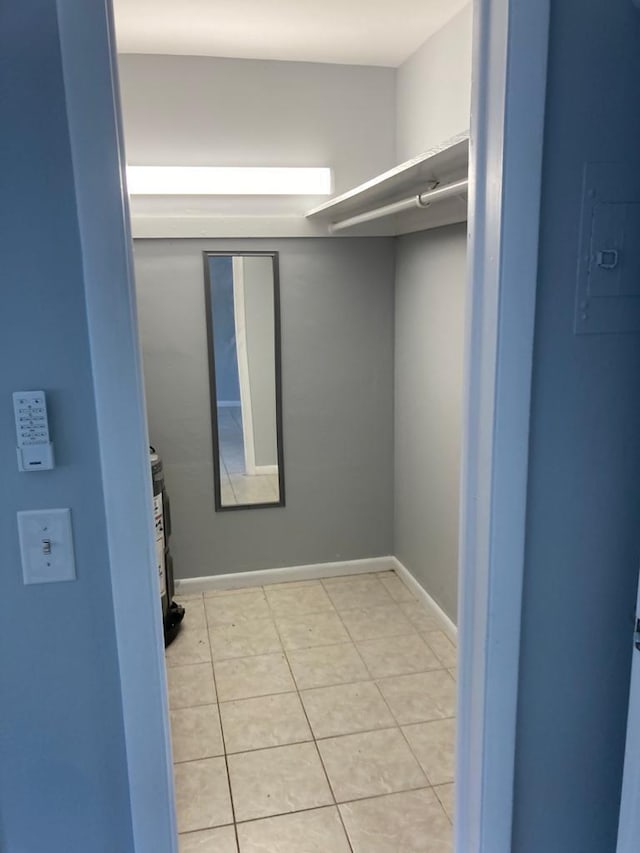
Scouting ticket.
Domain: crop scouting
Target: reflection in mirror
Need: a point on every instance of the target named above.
(243, 323)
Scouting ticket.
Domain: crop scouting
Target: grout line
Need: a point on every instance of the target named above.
(342, 803)
(204, 829)
(224, 743)
(200, 758)
(315, 743)
(427, 787)
(434, 788)
(283, 649)
(414, 754)
(259, 696)
(272, 746)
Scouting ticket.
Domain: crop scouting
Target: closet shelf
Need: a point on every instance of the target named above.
(401, 200)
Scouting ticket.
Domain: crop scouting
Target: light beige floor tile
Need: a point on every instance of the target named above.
(220, 840)
(442, 647)
(373, 622)
(396, 588)
(276, 781)
(410, 822)
(312, 629)
(184, 598)
(191, 685)
(365, 591)
(421, 617)
(363, 765)
(421, 697)
(315, 831)
(397, 655)
(261, 675)
(202, 794)
(327, 665)
(190, 646)
(345, 709)
(232, 590)
(242, 639)
(447, 796)
(434, 746)
(195, 733)
(453, 672)
(296, 600)
(246, 606)
(264, 721)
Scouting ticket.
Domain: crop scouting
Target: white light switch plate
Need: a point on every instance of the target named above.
(46, 545)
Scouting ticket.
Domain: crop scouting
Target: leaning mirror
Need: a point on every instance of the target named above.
(242, 294)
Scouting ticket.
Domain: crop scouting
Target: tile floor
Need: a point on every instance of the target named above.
(238, 488)
(313, 717)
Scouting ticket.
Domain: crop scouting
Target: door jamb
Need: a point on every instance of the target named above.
(510, 46)
(510, 49)
(93, 116)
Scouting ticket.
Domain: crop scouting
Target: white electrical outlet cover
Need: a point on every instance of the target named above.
(46, 546)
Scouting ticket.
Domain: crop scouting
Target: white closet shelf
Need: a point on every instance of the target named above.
(388, 204)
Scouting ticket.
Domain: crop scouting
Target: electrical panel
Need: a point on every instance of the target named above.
(608, 287)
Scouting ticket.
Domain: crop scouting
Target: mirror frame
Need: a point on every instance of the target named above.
(277, 327)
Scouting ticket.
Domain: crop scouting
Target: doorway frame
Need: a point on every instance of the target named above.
(510, 48)
(510, 40)
(87, 47)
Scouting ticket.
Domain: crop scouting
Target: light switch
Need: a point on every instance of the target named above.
(46, 545)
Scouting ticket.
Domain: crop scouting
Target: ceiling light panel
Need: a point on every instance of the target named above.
(228, 180)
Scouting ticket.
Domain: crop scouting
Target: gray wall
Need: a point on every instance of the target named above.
(337, 376)
(429, 346)
(583, 524)
(260, 322)
(191, 110)
(433, 95)
(434, 89)
(63, 770)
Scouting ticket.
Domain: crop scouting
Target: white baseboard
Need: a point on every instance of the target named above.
(450, 629)
(238, 580)
(266, 469)
(189, 586)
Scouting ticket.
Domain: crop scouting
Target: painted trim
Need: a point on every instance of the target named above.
(244, 377)
(510, 45)
(414, 585)
(312, 571)
(93, 114)
(629, 820)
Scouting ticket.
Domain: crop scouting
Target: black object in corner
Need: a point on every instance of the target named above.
(172, 613)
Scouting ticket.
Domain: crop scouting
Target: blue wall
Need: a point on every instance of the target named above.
(583, 525)
(63, 774)
(224, 329)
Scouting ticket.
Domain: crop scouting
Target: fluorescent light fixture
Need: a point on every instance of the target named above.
(228, 180)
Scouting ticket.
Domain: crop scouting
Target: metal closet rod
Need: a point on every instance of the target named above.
(423, 199)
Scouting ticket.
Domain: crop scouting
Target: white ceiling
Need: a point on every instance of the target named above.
(356, 32)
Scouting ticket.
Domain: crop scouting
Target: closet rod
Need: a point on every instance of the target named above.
(423, 199)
